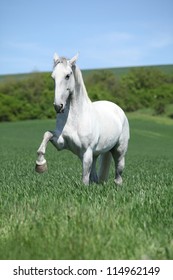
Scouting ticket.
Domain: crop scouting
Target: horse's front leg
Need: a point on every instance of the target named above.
(87, 161)
(41, 165)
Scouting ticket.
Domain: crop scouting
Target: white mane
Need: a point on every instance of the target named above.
(79, 79)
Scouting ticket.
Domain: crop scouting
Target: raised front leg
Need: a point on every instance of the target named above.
(87, 161)
(41, 165)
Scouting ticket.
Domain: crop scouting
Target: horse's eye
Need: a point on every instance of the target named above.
(67, 76)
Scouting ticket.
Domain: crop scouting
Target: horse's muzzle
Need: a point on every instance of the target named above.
(59, 108)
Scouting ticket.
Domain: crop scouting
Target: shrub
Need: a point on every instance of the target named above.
(32, 97)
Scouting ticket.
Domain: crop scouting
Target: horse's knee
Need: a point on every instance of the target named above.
(47, 135)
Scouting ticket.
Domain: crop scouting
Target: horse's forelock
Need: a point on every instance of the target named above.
(75, 69)
(61, 60)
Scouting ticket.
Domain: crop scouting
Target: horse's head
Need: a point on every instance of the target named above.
(64, 81)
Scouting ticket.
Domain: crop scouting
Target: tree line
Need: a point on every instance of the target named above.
(32, 97)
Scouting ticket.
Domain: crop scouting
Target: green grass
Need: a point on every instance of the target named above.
(54, 216)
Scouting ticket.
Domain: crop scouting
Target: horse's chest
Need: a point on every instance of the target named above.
(72, 141)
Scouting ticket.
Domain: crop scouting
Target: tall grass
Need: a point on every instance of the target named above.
(54, 216)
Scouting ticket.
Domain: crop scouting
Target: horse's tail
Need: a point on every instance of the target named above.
(105, 161)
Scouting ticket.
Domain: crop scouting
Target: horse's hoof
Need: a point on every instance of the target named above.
(118, 181)
(41, 168)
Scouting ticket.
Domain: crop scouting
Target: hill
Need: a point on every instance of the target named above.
(118, 71)
(30, 96)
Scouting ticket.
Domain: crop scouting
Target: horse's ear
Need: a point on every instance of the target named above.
(55, 57)
(74, 59)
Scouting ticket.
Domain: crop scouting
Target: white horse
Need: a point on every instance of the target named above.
(86, 128)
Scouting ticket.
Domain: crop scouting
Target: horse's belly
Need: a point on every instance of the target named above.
(107, 140)
(110, 119)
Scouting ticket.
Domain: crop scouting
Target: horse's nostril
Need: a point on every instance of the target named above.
(58, 108)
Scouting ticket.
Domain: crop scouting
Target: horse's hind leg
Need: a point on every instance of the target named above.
(118, 153)
(41, 165)
(93, 174)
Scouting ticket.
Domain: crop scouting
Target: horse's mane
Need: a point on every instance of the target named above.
(79, 79)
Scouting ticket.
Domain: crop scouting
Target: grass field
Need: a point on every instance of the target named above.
(54, 216)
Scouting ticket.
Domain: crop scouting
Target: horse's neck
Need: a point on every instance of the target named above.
(80, 101)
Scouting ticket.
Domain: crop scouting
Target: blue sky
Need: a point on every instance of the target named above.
(107, 33)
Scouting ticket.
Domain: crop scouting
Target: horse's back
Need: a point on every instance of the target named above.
(109, 111)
